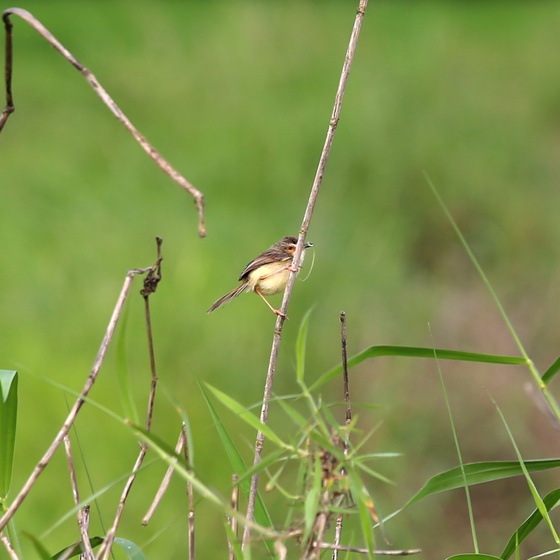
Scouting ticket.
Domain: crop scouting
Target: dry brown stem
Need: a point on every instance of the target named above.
(335, 117)
(73, 414)
(162, 163)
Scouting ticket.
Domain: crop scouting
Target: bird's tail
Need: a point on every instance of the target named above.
(228, 297)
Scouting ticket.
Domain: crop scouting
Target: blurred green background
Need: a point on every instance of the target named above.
(237, 96)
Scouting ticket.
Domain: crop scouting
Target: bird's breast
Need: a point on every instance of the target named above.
(270, 278)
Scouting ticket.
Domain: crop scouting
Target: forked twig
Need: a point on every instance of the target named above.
(162, 163)
(151, 282)
(259, 443)
(73, 414)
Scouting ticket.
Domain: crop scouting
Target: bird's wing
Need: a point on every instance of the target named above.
(261, 260)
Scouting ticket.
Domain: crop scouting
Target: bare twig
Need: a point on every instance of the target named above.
(72, 415)
(234, 506)
(164, 484)
(360, 550)
(8, 546)
(297, 257)
(151, 282)
(190, 494)
(347, 420)
(162, 163)
(83, 513)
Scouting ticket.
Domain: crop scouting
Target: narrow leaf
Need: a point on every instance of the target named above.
(76, 549)
(238, 465)
(245, 415)
(417, 352)
(478, 473)
(551, 500)
(8, 422)
(123, 372)
(551, 372)
(300, 347)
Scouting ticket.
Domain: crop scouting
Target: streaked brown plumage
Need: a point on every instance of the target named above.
(267, 274)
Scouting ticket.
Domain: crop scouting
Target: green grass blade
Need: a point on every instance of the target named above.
(534, 492)
(478, 473)
(551, 500)
(123, 372)
(551, 372)
(365, 510)
(300, 347)
(237, 464)
(247, 416)
(76, 549)
(8, 422)
(418, 352)
(40, 549)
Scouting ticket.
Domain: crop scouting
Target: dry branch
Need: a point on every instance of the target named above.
(259, 443)
(162, 163)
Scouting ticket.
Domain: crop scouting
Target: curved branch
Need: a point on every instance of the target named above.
(162, 163)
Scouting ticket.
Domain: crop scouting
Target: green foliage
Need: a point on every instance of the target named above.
(8, 423)
(462, 90)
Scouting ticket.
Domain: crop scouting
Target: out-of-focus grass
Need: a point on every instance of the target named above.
(237, 96)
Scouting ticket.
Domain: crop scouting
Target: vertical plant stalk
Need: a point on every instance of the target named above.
(234, 507)
(347, 421)
(335, 117)
(73, 414)
(82, 513)
(9, 548)
(151, 282)
(160, 161)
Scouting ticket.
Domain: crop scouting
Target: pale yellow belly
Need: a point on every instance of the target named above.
(270, 278)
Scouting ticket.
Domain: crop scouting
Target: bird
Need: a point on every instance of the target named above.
(266, 274)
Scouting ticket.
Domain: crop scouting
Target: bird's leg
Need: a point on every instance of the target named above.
(275, 311)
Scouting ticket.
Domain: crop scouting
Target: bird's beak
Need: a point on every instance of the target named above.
(307, 245)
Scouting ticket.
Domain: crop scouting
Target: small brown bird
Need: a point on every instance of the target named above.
(267, 274)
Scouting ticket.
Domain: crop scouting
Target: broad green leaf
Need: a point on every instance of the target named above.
(8, 422)
(551, 372)
(247, 416)
(132, 550)
(478, 473)
(415, 352)
(551, 500)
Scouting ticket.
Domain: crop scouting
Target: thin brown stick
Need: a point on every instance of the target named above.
(82, 513)
(162, 163)
(235, 507)
(190, 494)
(83, 520)
(72, 415)
(259, 443)
(151, 282)
(406, 552)
(347, 420)
(8, 546)
(164, 484)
